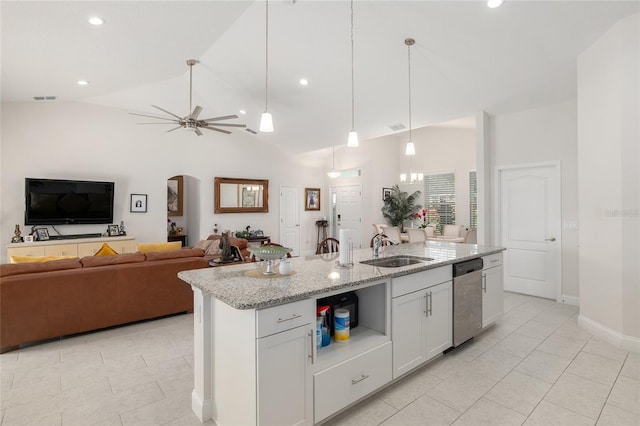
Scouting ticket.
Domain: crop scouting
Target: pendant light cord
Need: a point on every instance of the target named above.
(353, 114)
(266, 59)
(190, 86)
(409, 56)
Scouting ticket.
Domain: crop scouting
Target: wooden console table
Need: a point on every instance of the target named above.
(182, 238)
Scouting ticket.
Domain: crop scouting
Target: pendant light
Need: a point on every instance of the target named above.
(352, 140)
(410, 149)
(333, 173)
(266, 121)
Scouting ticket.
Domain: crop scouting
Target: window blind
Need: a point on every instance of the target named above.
(440, 198)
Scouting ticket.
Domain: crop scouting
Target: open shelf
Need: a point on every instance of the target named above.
(361, 340)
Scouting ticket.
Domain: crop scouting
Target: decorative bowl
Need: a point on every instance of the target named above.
(269, 253)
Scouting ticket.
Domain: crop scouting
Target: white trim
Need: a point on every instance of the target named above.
(628, 343)
(569, 300)
(497, 200)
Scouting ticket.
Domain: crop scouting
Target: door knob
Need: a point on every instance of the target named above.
(550, 239)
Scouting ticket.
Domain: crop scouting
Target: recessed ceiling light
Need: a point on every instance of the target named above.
(82, 82)
(243, 111)
(304, 81)
(95, 20)
(494, 3)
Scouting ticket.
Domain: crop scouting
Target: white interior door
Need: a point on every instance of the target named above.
(529, 206)
(290, 218)
(348, 212)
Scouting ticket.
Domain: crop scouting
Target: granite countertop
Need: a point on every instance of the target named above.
(320, 274)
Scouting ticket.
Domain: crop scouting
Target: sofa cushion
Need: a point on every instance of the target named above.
(159, 247)
(119, 259)
(210, 247)
(106, 250)
(38, 259)
(28, 268)
(241, 243)
(185, 252)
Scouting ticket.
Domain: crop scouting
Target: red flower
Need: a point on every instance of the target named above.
(417, 215)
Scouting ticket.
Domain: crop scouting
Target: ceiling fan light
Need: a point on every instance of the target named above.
(411, 149)
(266, 122)
(333, 173)
(352, 141)
(494, 3)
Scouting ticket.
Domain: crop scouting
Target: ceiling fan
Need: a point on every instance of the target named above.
(191, 121)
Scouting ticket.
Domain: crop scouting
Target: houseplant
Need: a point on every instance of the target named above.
(399, 206)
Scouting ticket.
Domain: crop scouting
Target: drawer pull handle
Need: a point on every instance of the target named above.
(313, 346)
(362, 377)
(493, 261)
(292, 317)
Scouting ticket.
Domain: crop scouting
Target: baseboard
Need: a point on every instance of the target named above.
(569, 300)
(628, 343)
(202, 409)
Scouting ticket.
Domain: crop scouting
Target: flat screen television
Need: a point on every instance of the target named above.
(56, 201)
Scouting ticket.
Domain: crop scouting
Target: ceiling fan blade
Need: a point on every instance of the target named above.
(158, 123)
(175, 128)
(196, 112)
(170, 113)
(198, 132)
(217, 130)
(230, 125)
(224, 117)
(153, 116)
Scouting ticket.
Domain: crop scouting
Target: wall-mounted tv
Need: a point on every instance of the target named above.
(56, 201)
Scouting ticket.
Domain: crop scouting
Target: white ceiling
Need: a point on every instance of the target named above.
(467, 58)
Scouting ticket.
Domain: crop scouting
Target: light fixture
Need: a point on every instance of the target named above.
(333, 173)
(411, 177)
(304, 82)
(96, 20)
(83, 83)
(242, 111)
(352, 140)
(494, 3)
(266, 121)
(411, 149)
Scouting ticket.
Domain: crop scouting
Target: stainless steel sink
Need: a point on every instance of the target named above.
(395, 261)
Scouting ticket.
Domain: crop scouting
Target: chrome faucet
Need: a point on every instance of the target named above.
(378, 239)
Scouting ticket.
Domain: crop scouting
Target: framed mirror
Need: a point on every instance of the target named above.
(233, 195)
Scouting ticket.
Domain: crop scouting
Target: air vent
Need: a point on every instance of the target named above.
(45, 98)
(251, 131)
(397, 126)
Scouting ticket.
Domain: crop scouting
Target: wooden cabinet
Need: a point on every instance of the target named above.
(285, 394)
(421, 317)
(492, 289)
(73, 247)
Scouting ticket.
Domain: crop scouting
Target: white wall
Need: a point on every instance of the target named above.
(81, 141)
(609, 188)
(546, 134)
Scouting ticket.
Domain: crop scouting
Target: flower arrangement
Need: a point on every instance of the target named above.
(422, 216)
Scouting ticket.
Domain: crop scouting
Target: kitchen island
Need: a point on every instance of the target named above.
(256, 360)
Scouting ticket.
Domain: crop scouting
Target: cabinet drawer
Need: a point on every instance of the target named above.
(347, 382)
(25, 251)
(61, 250)
(492, 260)
(284, 317)
(421, 280)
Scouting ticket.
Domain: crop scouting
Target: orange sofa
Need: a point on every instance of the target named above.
(40, 301)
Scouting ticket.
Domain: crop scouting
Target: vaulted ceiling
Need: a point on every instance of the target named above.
(467, 58)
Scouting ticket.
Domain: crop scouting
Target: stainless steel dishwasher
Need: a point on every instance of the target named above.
(467, 300)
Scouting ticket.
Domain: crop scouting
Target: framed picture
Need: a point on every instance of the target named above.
(312, 198)
(174, 196)
(138, 203)
(113, 230)
(42, 234)
(28, 238)
(386, 192)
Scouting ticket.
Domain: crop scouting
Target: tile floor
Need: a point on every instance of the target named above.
(535, 367)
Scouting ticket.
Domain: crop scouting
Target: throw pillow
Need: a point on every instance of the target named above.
(158, 247)
(106, 250)
(38, 259)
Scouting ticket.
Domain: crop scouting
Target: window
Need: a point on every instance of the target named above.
(440, 198)
(473, 200)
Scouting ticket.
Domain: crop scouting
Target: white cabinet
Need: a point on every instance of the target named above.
(421, 320)
(284, 377)
(492, 289)
(75, 247)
